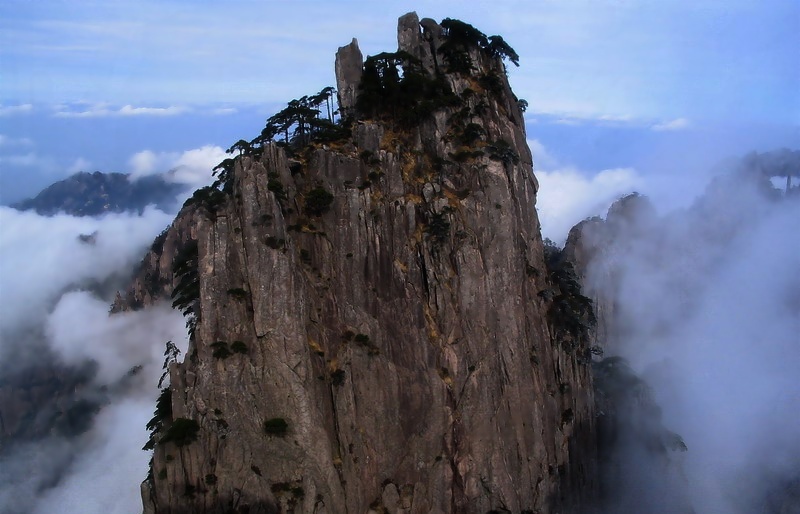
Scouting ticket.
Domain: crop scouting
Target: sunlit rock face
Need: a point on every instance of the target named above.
(369, 333)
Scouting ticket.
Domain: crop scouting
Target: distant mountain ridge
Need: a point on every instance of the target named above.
(91, 194)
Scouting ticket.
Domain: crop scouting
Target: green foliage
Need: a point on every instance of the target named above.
(289, 492)
(368, 157)
(337, 377)
(491, 83)
(502, 150)
(186, 294)
(627, 412)
(570, 314)
(277, 427)
(364, 340)
(209, 198)
(466, 155)
(395, 85)
(275, 243)
(460, 37)
(439, 227)
(471, 134)
(459, 33)
(238, 293)
(171, 354)
(497, 47)
(181, 432)
(163, 410)
(239, 347)
(301, 123)
(158, 243)
(276, 186)
(220, 350)
(318, 200)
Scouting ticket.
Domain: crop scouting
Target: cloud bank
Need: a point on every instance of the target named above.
(706, 307)
(191, 167)
(103, 110)
(568, 195)
(676, 124)
(58, 288)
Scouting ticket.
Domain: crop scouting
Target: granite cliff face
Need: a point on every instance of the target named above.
(373, 322)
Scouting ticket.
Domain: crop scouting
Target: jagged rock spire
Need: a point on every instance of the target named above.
(349, 67)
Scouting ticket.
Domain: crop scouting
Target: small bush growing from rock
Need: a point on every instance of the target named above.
(337, 377)
(318, 200)
(221, 350)
(182, 432)
(276, 426)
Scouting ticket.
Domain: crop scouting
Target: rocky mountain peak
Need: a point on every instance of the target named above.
(373, 328)
(92, 194)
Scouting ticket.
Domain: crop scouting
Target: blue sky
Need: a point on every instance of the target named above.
(650, 85)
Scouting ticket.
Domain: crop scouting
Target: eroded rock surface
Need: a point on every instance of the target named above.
(389, 351)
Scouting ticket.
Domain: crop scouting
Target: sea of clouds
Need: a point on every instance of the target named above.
(708, 295)
(57, 289)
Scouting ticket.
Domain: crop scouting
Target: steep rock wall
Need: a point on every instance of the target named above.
(390, 353)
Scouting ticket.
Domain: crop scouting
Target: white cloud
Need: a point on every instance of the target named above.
(221, 111)
(192, 167)
(14, 141)
(79, 165)
(195, 166)
(583, 117)
(706, 299)
(676, 124)
(541, 157)
(146, 163)
(568, 121)
(567, 196)
(129, 110)
(42, 258)
(103, 110)
(80, 321)
(8, 110)
(29, 160)
(106, 475)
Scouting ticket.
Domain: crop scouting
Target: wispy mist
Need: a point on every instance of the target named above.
(58, 277)
(705, 304)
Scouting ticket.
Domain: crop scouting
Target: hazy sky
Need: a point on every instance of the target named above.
(611, 83)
